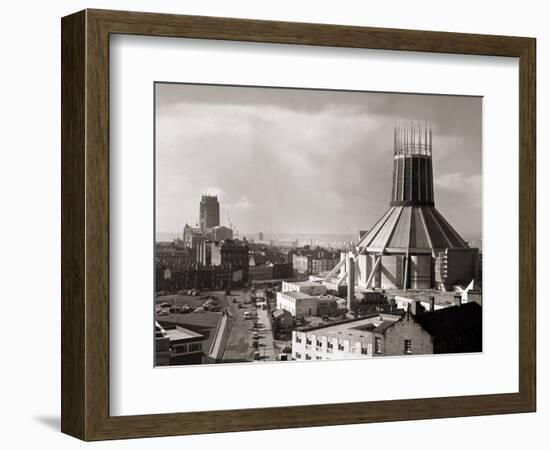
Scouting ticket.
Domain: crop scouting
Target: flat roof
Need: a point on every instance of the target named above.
(355, 328)
(297, 295)
(440, 297)
(180, 333)
(305, 283)
(302, 295)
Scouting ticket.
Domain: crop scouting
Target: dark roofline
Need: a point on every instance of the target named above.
(342, 322)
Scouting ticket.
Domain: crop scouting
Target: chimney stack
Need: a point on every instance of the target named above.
(351, 284)
(458, 300)
(416, 307)
(432, 303)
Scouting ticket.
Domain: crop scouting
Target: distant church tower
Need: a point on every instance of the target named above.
(209, 215)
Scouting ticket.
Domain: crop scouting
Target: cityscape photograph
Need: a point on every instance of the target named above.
(311, 225)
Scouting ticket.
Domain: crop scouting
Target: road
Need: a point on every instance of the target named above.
(240, 343)
(267, 348)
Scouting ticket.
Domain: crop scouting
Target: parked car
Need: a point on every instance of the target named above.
(199, 309)
(246, 315)
(165, 305)
(175, 310)
(162, 312)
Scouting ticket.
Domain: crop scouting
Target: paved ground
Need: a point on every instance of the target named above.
(193, 302)
(205, 323)
(267, 349)
(239, 345)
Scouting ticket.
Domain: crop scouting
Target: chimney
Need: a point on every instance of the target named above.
(457, 300)
(432, 303)
(416, 308)
(351, 284)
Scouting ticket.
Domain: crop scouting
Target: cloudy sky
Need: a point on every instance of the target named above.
(306, 161)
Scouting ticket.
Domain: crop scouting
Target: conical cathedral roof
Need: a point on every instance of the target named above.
(411, 229)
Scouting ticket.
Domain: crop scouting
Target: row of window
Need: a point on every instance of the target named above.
(188, 348)
(407, 346)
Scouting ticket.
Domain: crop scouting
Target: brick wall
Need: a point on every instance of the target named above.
(394, 341)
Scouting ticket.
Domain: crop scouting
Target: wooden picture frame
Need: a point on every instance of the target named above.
(85, 224)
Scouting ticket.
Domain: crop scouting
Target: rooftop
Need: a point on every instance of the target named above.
(180, 333)
(451, 321)
(356, 328)
(440, 297)
(297, 295)
(305, 283)
(417, 229)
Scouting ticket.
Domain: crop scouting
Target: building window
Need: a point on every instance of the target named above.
(378, 345)
(181, 348)
(298, 355)
(318, 357)
(308, 341)
(330, 345)
(298, 339)
(308, 357)
(340, 346)
(196, 347)
(364, 351)
(408, 347)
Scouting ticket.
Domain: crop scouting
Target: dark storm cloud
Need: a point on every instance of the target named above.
(289, 160)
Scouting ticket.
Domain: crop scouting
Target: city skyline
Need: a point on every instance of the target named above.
(321, 157)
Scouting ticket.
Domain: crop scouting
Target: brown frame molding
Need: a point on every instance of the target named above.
(85, 224)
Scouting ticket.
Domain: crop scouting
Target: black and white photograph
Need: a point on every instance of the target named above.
(311, 225)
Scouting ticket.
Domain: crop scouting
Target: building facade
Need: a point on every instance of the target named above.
(209, 212)
(412, 246)
(231, 254)
(220, 233)
(372, 336)
(308, 261)
(175, 345)
(305, 287)
(300, 304)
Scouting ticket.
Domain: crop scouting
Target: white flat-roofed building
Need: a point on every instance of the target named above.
(296, 303)
(375, 335)
(307, 287)
(300, 304)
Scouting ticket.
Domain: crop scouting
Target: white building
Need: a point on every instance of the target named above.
(300, 304)
(376, 335)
